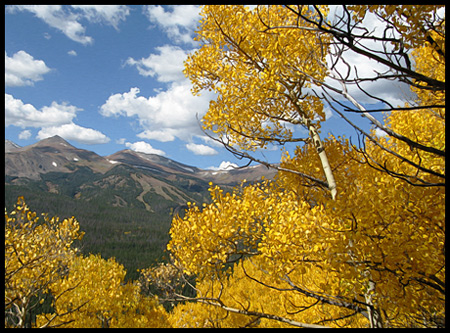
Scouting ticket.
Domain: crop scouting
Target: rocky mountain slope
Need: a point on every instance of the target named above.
(125, 178)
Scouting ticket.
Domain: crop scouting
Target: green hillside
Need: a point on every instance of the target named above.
(134, 236)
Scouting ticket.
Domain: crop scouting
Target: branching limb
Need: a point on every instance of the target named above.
(218, 303)
(378, 124)
(241, 155)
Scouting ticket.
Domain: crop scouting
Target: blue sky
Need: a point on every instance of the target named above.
(108, 78)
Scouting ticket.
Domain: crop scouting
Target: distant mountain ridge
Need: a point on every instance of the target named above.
(41, 157)
(49, 155)
(50, 163)
(151, 162)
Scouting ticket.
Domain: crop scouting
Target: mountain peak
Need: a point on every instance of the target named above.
(11, 146)
(53, 140)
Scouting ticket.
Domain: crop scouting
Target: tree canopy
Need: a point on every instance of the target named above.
(372, 252)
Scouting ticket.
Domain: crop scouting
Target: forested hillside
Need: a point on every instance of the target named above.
(134, 236)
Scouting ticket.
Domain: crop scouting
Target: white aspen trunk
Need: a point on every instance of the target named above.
(374, 315)
(324, 159)
(364, 112)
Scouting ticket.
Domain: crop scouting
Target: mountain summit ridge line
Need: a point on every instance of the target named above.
(54, 154)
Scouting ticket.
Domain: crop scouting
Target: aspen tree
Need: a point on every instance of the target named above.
(285, 252)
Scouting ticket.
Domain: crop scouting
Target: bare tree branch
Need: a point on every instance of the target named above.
(347, 39)
(241, 154)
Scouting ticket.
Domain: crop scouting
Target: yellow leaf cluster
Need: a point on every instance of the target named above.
(87, 291)
(260, 76)
(244, 290)
(230, 223)
(37, 252)
(95, 288)
(413, 22)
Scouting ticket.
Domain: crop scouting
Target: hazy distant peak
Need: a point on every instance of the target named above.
(11, 146)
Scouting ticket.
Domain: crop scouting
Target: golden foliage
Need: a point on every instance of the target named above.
(252, 288)
(258, 76)
(95, 288)
(414, 23)
(85, 291)
(37, 252)
(375, 255)
(378, 227)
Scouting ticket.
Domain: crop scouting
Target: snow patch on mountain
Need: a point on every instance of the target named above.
(224, 166)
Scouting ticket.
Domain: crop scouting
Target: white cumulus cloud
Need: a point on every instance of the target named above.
(23, 70)
(380, 133)
(26, 115)
(144, 147)
(74, 132)
(162, 136)
(109, 14)
(167, 66)
(56, 119)
(66, 18)
(179, 22)
(24, 135)
(199, 149)
(361, 66)
(59, 18)
(169, 114)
